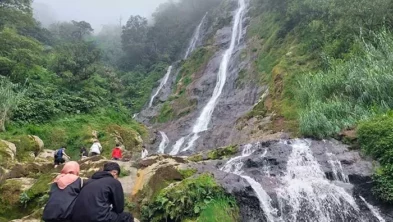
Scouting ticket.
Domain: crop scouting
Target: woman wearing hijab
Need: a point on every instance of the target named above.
(64, 190)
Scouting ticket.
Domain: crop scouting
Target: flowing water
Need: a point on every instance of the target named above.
(203, 120)
(337, 168)
(195, 38)
(373, 210)
(307, 195)
(235, 166)
(162, 83)
(304, 194)
(164, 142)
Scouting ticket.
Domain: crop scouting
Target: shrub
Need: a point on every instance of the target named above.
(375, 137)
(186, 199)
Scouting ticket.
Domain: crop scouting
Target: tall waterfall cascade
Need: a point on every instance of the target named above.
(304, 194)
(164, 142)
(195, 38)
(204, 118)
(162, 84)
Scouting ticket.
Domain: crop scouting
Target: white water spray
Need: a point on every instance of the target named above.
(373, 210)
(177, 146)
(235, 166)
(337, 168)
(164, 142)
(195, 38)
(203, 120)
(307, 195)
(162, 83)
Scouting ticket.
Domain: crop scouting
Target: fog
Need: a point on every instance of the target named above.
(96, 12)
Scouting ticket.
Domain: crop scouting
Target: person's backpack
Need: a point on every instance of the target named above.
(59, 153)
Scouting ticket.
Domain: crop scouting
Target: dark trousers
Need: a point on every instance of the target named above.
(124, 217)
(59, 161)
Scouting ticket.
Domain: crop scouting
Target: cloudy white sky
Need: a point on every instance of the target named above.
(96, 12)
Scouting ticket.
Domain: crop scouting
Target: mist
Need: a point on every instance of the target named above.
(96, 12)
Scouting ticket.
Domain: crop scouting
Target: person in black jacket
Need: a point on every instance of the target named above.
(63, 193)
(102, 199)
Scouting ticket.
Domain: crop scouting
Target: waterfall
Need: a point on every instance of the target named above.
(164, 142)
(203, 120)
(195, 38)
(162, 83)
(307, 195)
(337, 169)
(235, 165)
(177, 146)
(373, 210)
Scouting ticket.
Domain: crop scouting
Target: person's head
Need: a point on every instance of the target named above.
(95, 141)
(113, 168)
(71, 167)
(117, 144)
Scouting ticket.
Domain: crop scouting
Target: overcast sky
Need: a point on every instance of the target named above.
(96, 12)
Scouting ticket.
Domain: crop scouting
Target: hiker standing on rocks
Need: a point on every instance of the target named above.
(96, 148)
(64, 190)
(59, 156)
(84, 153)
(145, 153)
(103, 198)
(116, 153)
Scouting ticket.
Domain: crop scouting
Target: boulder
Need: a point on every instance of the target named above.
(38, 141)
(9, 148)
(45, 155)
(24, 182)
(27, 169)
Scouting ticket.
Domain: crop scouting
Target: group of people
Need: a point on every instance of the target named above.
(100, 198)
(60, 155)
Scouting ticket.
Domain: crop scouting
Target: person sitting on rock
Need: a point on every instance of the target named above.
(96, 148)
(145, 153)
(84, 153)
(63, 193)
(103, 198)
(116, 153)
(59, 156)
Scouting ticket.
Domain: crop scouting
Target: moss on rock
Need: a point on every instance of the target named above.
(187, 199)
(222, 152)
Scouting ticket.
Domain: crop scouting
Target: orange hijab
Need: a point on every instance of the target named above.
(68, 175)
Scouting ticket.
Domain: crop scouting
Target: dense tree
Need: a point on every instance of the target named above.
(9, 99)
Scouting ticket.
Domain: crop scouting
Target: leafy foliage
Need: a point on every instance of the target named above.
(376, 139)
(349, 91)
(186, 200)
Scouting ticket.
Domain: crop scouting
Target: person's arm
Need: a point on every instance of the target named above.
(118, 197)
(64, 153)
(99, 146)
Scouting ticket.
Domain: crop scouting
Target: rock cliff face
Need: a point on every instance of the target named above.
(241, 91)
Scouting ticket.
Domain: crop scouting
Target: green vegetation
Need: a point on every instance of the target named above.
(186, 173)
(375, 137)
(166, 113)
(124, 172)
(188, 199)
(190, 67)
(222, 152)
(349, 91)
(76, 131)
(220, 209)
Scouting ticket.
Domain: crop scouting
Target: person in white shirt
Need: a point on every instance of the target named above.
(145, 153)
(96, 148)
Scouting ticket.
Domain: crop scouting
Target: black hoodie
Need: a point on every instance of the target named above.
(95, 200)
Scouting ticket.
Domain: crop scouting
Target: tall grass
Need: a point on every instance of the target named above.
(349, 91)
